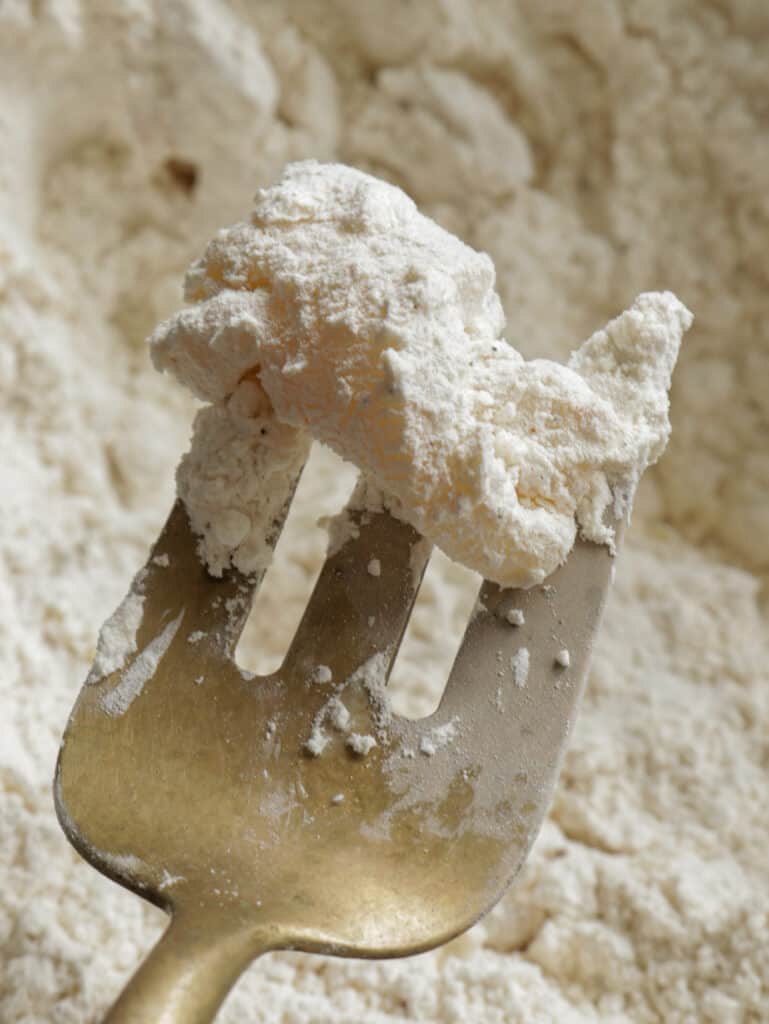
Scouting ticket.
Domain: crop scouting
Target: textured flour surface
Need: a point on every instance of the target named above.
(594, 150)
(355, 317)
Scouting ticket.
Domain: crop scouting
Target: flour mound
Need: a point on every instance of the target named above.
(594, 151)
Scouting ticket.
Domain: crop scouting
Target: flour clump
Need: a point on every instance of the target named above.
(347, 314)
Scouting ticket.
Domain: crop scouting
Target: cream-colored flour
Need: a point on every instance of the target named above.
(117, 637)
(343, 311)
(595, 151)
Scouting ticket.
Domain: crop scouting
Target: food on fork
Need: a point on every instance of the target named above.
(338, 311)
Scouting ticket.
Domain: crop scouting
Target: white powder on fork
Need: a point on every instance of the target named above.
(347, 313)
(117, 637)
(519, 666)
(595, 151)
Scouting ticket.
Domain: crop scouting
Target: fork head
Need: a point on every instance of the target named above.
(295, 807)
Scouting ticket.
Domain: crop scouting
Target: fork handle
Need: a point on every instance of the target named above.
(186, 976)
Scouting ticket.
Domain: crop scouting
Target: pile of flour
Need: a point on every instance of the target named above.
(595, 151)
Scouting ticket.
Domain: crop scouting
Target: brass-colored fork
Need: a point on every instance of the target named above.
(195, 784)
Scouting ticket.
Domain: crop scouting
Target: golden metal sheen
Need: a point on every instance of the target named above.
(201, 797)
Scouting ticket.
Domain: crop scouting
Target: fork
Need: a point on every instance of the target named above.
(295, 810)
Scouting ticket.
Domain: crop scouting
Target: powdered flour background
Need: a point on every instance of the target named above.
(594, 150)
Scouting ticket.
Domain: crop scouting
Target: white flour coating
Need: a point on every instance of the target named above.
(117, 637)
(239, 472)
(437, 738)
(595, 151)
(519, 666)
(335, 713)
(379, 332)
(338, 715)
(118, 700)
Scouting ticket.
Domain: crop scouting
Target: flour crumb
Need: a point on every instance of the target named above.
(515, 616)
(317, 742)
(563, 658)
(361, 744)
(374, 567)
(438, 737)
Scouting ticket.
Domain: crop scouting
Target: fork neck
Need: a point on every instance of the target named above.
(188, 974)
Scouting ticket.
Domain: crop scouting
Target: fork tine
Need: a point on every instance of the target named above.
(363, 598)
(509, 734)
(529, 710)
(174, 579)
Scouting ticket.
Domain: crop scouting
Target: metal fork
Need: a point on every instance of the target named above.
(204, 789)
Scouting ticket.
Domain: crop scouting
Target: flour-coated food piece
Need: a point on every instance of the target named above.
(372, 328)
